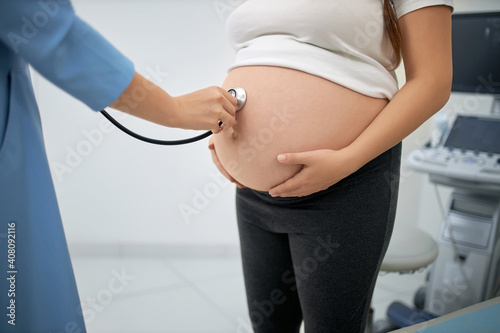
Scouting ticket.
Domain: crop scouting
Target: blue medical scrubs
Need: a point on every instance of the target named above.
(37, 287)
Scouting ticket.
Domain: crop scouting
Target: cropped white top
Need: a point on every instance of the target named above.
(342, 41)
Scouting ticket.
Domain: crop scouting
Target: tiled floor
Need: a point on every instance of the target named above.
(172, 295)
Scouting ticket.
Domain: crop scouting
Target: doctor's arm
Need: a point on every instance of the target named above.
(199, 110)
(426, 51)
(72, 55)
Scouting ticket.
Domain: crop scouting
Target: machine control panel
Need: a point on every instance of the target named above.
(469, 153)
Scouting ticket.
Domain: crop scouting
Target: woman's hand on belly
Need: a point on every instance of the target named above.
(218, 164)
(289, 111)
(321, 169)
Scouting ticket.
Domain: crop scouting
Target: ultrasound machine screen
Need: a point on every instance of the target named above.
(475, 133)
(476, 52)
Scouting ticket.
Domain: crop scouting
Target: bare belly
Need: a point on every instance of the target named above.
(288, 111)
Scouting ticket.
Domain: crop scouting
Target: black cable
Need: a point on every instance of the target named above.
(155, 141)
(238, 93)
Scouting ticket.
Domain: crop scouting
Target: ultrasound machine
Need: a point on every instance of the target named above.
(467, 159)
(467, 269)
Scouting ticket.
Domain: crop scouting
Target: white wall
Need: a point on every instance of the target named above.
(122, 192)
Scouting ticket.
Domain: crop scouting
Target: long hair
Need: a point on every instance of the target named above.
(393, 30)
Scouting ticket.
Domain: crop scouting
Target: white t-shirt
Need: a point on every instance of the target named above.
(342, 41)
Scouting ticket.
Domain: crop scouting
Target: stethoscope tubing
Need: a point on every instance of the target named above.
(155, 141)
(238, 93)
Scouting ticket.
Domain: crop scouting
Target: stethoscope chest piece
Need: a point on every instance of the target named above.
(241, 97)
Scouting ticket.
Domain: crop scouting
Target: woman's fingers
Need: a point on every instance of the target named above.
(219, 166)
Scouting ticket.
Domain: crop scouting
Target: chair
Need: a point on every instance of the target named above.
(410, 250)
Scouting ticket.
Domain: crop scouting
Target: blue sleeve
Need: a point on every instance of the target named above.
(65, 50)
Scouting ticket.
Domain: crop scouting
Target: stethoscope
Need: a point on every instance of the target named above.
(238, 93)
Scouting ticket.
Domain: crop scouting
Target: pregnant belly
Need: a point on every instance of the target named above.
(287, 111)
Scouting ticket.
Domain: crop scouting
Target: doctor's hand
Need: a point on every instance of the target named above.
(219, 166)
(199, 110)
(320, 170)
(204, 109)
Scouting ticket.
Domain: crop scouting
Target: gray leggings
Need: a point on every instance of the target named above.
(317, 257)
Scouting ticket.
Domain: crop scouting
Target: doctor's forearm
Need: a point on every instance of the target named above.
(144, 99)
(203, 109)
